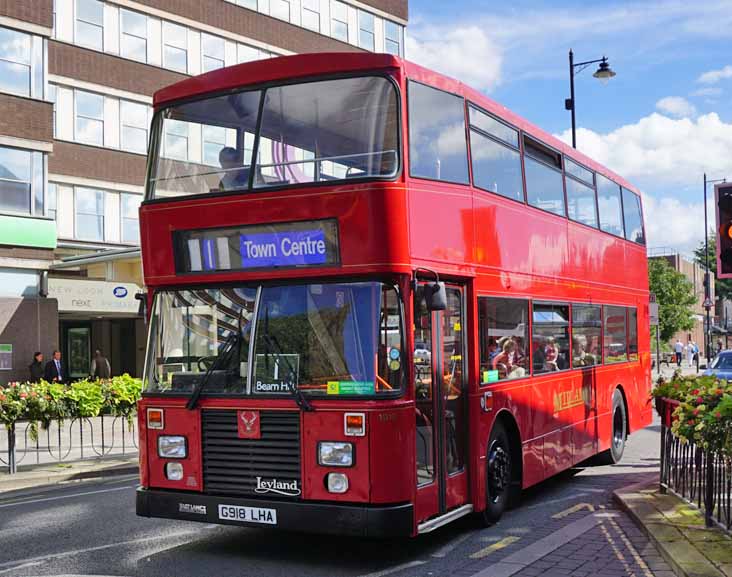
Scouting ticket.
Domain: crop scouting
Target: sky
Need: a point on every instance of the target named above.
(664, 120)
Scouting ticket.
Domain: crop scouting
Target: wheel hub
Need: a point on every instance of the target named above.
(499, 470)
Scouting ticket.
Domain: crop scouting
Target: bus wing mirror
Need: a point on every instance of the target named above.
(436, 296)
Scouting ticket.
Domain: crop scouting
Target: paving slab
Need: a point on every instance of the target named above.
(677, 529)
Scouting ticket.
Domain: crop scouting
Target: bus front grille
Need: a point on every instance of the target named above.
(231, 465)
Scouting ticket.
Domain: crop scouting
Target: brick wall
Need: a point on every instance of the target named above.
(254, 25)
(35, 11)
(98, 163)
(397, 7)
(107, 70)
(26, 118)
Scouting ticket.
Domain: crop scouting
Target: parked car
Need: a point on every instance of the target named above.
(721, 366)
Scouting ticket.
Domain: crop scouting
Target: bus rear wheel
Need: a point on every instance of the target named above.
(619, 432)
(499, 469)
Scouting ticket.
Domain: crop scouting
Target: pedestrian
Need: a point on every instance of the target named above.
(36, 367)
(100, 368)
(689, 352)
(696, 354)
(719, 346)
(678, 349)
(54, 371)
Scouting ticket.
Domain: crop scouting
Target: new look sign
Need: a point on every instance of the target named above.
(280, 245)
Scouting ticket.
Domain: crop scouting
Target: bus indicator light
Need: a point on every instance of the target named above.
(155, 418)
(355, 424)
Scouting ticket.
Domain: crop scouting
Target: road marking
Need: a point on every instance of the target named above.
(502, 544)
(633, 551)
(573, 509)
(447, 548)
(617, 551)
(541, 548)
(394, 569)
(46, 499)
(13, 565)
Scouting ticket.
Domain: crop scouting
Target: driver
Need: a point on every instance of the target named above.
(235, 175)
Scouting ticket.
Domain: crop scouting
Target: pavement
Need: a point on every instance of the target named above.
(567, 526)
(677, 530)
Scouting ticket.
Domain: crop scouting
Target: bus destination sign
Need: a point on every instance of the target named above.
(280, 245)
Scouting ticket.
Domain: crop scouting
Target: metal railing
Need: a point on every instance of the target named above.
(66, 440)
(702, 478)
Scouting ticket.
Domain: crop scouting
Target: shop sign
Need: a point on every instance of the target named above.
(94, 296)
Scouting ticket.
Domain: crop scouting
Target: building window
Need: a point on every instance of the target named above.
(52, 200)
(311, 14)
(129, 206)
(89, 118)
(586, 335)
(392, 38)
(175, 143)
(366, 36)
(133, 126)
(503, 330)
(21, 181)
(550, 337)
(280, 9)
(175, 47)
(246, 53)
(615, 337)
(52, 99)
(90, 24)
(251, 4)
(339, 21)
(89, 214)
(437, 146)
(212, 52)
(15, 62)
(133, 41)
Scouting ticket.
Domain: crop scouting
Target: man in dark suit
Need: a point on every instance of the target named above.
(36, 367)
(54, 371)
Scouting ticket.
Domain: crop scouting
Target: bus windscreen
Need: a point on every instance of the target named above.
(318, 131)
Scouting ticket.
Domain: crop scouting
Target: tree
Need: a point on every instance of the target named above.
(722, 287)
(674, 295)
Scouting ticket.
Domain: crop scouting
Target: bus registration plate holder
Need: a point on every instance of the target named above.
(248, 514)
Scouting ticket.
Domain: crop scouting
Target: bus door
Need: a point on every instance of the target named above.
(440, 365)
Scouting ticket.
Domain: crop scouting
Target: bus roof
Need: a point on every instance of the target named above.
(328, 63)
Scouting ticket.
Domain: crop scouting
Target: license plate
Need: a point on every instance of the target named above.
(248, 514)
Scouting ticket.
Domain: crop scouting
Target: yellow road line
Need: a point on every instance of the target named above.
(502, 544)
(573, 509)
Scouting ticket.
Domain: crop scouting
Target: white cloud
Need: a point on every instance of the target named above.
(714, 76)
(465, 52)
(710, 91)
(668, 156)
(676, 106)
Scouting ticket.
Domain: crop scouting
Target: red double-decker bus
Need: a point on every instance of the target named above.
(379, 301)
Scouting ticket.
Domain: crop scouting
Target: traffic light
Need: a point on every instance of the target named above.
(723, 196)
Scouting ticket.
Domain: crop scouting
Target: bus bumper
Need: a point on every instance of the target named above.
(306, 516)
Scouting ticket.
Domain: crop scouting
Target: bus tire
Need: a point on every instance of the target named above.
(619, 432)
(498, 471)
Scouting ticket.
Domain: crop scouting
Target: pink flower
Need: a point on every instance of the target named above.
(691, 422)
(699, 400)
(696, 412)
(717, 415)
(695, 392)
(23, 395)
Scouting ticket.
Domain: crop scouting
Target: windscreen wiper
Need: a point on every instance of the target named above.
(231, 345)
(273, 347)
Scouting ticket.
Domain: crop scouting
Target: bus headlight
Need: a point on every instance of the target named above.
(174, 471)
(337, 483)
(335, 454)
(172, 447)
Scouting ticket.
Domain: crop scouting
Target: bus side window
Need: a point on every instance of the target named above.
(503, 334)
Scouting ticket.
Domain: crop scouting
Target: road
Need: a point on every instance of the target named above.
(566, 526)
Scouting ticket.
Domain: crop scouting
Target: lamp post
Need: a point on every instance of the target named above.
(707, 281)
(603, 74)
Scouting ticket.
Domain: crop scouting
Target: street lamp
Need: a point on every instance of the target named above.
(603, 74)
(707, 281)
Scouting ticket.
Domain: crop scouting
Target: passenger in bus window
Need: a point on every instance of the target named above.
(580, 356)
(503, 361)
(235, 175)
(551, 355)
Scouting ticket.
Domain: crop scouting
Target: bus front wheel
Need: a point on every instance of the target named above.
(498, 474)
(619, 432)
